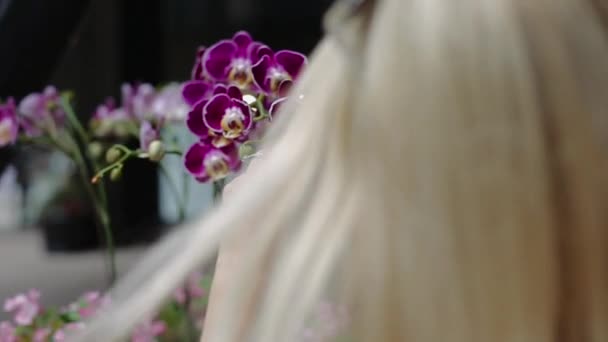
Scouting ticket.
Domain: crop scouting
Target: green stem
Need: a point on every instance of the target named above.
(98, 199)
(121, 160)
(181, 211)
(218, 189)
(176, 152)
(262, 113)
(74, 122)
(190, 333)
(103, 197)
(104, 218)
(123, 148)
(100, 206)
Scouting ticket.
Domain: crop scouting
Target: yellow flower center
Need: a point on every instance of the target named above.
(240, 73)
(276, 77)
(216, 166)
(232, 123)
(220, 141)
(6, 134)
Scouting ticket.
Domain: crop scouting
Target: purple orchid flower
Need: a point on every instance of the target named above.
(137, 99)
(168, 104)
(274, 73)
(9, 128)
(147, 134)
(108, 111)
(225, 114)
(196, 91)
(207, 162)
(231, 60)
(105, 109)
(108, 118)
(39, 112)
(228, 114)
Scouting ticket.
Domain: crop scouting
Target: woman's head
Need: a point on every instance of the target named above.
(445, 177)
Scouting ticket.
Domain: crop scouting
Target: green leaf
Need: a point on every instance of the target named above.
(24, 331)
(172, 315)
(206, 282)
(47, 318)
(70, 316)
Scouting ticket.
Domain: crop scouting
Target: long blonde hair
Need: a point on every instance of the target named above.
(445, 176)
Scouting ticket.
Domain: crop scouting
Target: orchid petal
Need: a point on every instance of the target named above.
(195, 91)
(214, 110)
(292, 62)
(217, 59)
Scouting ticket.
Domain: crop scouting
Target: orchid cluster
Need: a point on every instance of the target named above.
(143, 113)
(31, 322)
(37, 115)
(237, 86)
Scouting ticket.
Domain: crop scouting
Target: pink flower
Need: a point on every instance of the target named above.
(148, 331)
(41, 335)
(60, 335)
(25, 307)
(137, 99)
(7, 332)
(191, 290)
(88, 304)
(180, 295)
(41, 112)
(9, 128)
(168, 105)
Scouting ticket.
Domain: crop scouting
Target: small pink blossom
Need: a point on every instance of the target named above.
(60, 335)
(7, 332)
(25, 307)
(41, 335)
(41, 112)
(93, 301)
(148, 331)
(191, 290)
(168, 105)
(88, 304)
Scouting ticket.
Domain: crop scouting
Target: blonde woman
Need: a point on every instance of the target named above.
(445, 177)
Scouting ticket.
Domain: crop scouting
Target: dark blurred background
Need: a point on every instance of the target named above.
(92, 46)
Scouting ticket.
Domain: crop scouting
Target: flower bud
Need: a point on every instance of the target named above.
(156, 151)
(116, 173)
(246, 150)
(112, 155)
(121, 130)
(95, 150)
